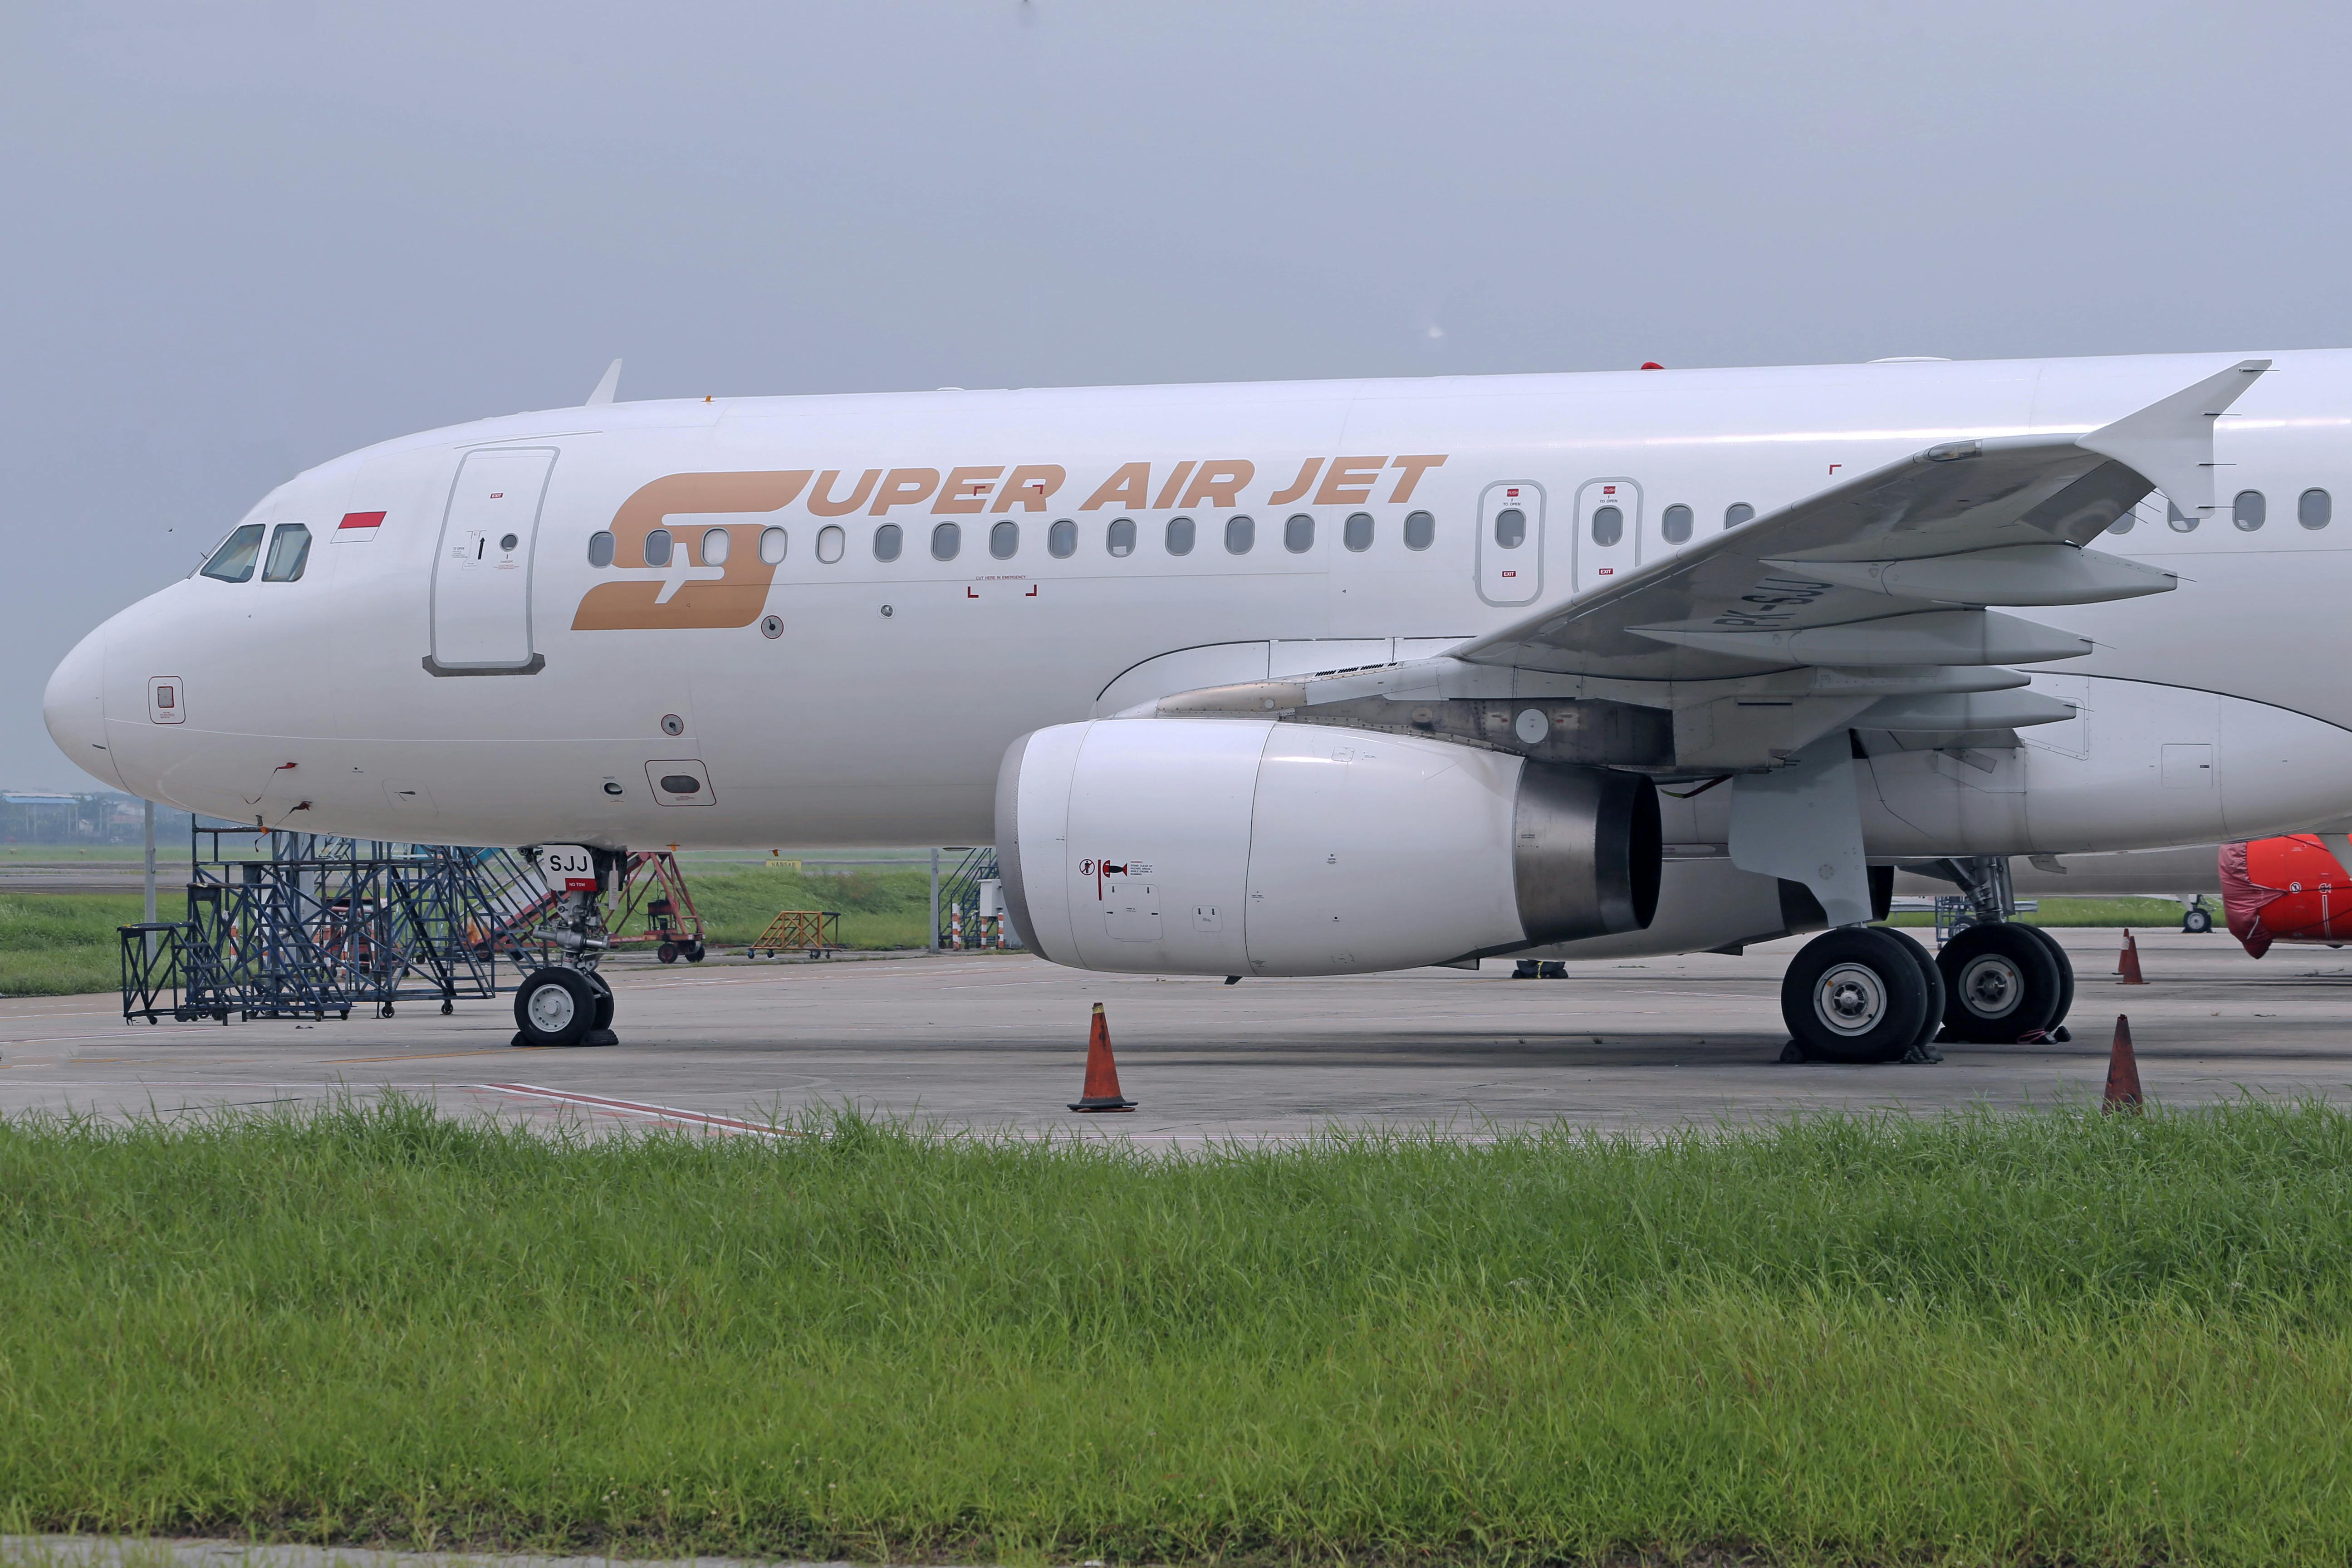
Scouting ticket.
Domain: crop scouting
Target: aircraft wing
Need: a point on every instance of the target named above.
(1865, 605)
(1895, 566)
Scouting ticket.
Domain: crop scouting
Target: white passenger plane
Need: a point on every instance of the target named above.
(1311, 678)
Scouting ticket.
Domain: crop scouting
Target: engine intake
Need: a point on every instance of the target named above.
(1245, 846)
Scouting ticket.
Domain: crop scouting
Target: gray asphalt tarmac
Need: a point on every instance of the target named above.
(998, 1041)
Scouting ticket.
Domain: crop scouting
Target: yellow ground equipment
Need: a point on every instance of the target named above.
(816, 932)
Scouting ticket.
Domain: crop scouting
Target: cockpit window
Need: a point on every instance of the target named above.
(289, 550)
(233, 561)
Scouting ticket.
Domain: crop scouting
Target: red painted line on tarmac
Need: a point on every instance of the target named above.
(725, 1124)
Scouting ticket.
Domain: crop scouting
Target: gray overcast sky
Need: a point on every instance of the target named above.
(243, 238)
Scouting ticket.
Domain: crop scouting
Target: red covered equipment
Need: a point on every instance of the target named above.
(2284, 889)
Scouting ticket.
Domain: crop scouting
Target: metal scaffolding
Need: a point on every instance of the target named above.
(304, 925)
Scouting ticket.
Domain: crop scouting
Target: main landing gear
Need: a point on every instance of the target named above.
(1862, 994)
(565, 1002)
(1870, 993)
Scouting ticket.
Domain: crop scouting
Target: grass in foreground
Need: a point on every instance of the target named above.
(2055, 1338)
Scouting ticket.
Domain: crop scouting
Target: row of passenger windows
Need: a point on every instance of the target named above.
(1609, 523)
(1357, 533)
(289, 552)
(2248, 511)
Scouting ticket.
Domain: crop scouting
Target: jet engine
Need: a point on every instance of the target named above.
(1252, 846)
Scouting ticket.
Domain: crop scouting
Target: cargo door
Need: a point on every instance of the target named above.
(481, 568)
(1510, 542)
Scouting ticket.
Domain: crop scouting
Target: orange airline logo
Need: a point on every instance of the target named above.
(737, 594)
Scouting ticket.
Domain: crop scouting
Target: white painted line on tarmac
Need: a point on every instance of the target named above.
(635, 1108)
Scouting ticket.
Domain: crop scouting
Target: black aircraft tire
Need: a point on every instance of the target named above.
(2197, 922)
(2065, 975)
(554, 1007)
(1932, 1021)
(2003, 981)
(1855, 995)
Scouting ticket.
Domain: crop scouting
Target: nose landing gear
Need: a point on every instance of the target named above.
(565, 1002)
(563, 1006)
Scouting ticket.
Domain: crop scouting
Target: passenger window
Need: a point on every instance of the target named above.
(1676, 524)
(887, 542)
(1420, 529)
(716, 543)
(1003, 540)
(2178, 520)
(1608, 525)
(1180, 535)
(233, 561)
(1061, 540)
(1358, 534)
(1737, 512)
(2247, 510)
(831, 542)
(1299, 533)
(771, 546)
(947, 539)
(658, 547)
(289, 548)
(599, 548)
(1120, 540)
(1510, 528)
(2313, 509)
(1241, 532)
(2123, 523)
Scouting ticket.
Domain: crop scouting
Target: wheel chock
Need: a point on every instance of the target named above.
(2128, 962)
(1101, 1090)
(2123, 1091)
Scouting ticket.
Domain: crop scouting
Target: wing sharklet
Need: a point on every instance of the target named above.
(2169, 443)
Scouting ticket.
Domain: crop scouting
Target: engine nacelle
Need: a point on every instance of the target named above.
(1250, 846)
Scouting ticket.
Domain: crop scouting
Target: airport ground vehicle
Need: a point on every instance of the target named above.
(1307, 678)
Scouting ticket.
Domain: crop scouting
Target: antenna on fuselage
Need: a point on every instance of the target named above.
(606, 387)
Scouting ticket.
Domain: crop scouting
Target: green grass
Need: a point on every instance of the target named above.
(2063, 1337)
(878, 909)
(55, 944)
(59, 944)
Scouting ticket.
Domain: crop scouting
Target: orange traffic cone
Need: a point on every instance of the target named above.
(2127, 962)
(1101, 1092)
(2123, 1071)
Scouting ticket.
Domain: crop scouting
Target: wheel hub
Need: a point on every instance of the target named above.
(552, 1008)
(1992, 987)
(1850, 999)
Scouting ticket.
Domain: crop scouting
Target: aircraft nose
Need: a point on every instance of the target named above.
(74, 707)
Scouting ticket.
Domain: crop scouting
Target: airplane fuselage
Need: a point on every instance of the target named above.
(484, 643)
